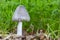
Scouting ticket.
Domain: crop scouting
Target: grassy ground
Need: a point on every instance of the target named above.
(44, 14)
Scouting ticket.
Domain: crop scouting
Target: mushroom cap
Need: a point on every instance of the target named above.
(21, 14)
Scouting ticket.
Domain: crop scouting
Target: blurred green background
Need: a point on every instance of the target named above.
(44, 14)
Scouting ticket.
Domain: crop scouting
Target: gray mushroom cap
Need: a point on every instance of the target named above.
(21, 14)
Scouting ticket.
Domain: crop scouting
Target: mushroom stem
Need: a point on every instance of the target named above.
(19, 29)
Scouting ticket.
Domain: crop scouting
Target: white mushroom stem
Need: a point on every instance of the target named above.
(19, 29)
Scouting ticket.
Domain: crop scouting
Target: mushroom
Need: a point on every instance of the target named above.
(20, 15)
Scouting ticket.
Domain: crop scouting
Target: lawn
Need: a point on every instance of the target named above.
(44, 14)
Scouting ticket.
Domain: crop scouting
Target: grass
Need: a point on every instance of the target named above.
(44, 14)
